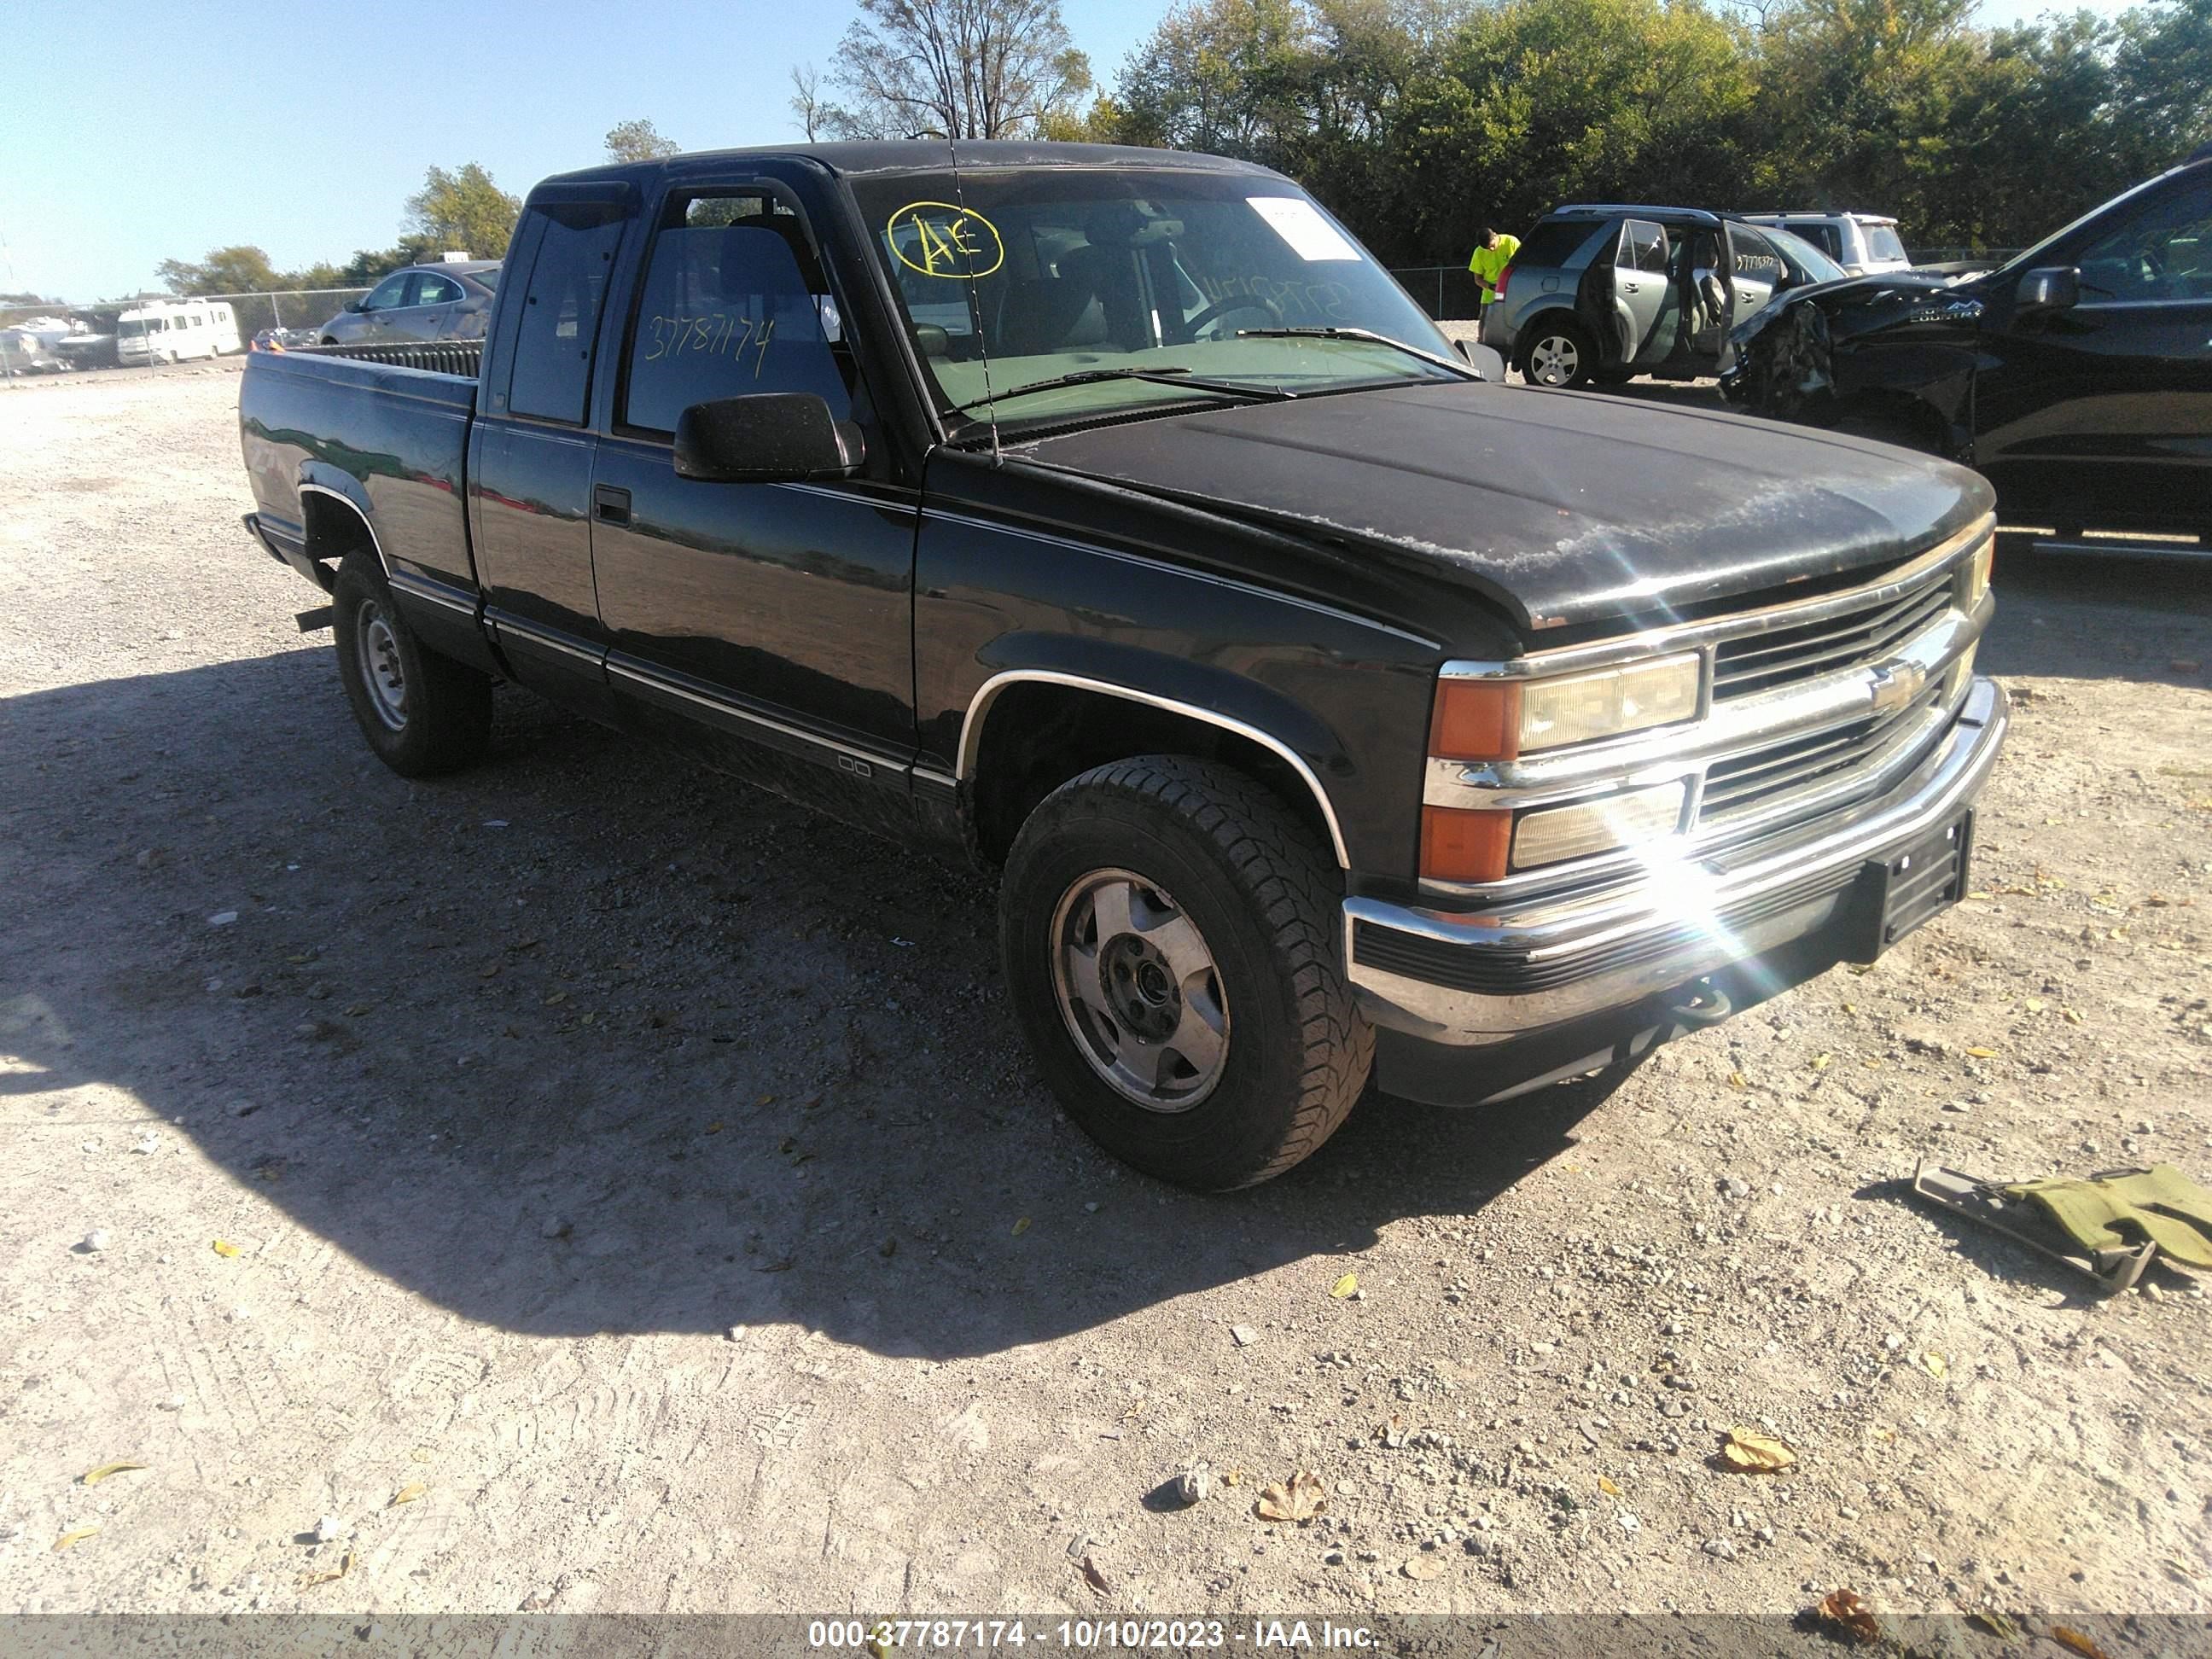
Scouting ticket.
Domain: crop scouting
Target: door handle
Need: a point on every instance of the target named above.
(611, 503)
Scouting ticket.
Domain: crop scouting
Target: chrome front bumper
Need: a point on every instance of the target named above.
(1469, 979)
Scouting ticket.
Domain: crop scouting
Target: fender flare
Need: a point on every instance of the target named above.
(350, 499)
(1254, 713)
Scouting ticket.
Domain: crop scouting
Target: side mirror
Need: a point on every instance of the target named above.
(2056, 289)
(357, 306)
(1484, 361)
(766, 437)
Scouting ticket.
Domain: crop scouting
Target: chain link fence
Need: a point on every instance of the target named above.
(82, 335)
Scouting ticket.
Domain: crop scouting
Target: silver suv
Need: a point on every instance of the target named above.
(1861, 243)
(1607, 291)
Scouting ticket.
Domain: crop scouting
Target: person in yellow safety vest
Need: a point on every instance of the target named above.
(1493, 251)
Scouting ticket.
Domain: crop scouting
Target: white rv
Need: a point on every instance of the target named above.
(171, 331)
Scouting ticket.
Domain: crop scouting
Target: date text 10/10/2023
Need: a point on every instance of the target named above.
(1172, 1635)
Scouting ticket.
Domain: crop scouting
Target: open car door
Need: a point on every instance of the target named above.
(1622, 294)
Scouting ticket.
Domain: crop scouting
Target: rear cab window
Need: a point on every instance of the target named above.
(1882, 242)
(560, 310)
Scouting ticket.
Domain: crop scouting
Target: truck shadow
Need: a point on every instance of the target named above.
(584, 1042)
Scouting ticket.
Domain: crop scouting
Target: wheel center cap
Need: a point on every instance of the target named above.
(1139, 987)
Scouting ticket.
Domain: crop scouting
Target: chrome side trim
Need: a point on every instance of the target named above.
(1230, 582)
(353, 508)
(1673, 906)
(533, 634)
(638, 674)
(1786, 613)
(433, 593)
(971, 731)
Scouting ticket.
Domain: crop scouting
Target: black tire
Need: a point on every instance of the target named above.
(422, 714)
(1209, 846)
(1612, 376)
(1555, 338)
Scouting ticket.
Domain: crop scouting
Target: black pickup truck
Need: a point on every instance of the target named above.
(1332, 711)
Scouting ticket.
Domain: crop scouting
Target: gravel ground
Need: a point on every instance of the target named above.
(584, 1184)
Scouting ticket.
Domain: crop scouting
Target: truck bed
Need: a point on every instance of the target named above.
(383, 429)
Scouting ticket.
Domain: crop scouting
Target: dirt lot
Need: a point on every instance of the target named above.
(643, 1181)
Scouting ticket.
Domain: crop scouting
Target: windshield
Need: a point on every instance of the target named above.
(489, 277)
(1101, 272)
(1807, 263)
(133, 328)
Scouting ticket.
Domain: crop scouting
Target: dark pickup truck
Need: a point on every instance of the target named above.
(1332, 711)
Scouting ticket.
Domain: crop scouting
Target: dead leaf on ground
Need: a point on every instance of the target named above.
(1345, 1286)
(76, 1536)
(1233, 1478)
(1821, 1062)
(223, 1247)
(1021, 1226)
(93, 1477)
(1935, 1364)
(407, 1494)
(1422, 1567)
(1300, 1499)
(1607, 1487)
(1735, 1080)
(1847, 1610)
(1095, 1578)
(1393, 1431)
(1983, 1054)
(2067, 1636)
(1995, 1623)
(344, 1566)
(1748, 1451)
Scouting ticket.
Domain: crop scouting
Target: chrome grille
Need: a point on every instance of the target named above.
(1745, 784)
(1782, 656)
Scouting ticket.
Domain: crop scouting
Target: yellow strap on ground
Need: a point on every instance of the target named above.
(2095, 1212)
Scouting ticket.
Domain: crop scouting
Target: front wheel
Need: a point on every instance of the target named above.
(1169, 936)
(422, 714)
(1559, 354)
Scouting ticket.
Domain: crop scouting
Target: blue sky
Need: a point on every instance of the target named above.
(149, 132)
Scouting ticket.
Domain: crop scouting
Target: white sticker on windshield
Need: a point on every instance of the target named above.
(1298, 222)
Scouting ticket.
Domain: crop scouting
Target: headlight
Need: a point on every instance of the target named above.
(1501, 720)
(1597, 826)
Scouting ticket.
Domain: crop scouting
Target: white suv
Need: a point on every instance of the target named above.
(1861, 243)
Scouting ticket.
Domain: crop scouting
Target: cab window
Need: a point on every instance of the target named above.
(2162, 250)
(561, 311)
(734, 301)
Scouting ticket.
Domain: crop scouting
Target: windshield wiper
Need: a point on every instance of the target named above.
(1366, 337)
(1168, 375)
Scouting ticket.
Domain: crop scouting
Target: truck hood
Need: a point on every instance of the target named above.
(1563, 508)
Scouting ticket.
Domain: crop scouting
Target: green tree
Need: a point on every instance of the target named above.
(638, 141)
(1537, 102)
(962, 69)
(463, 210)
(2163, 76)
(237, 269)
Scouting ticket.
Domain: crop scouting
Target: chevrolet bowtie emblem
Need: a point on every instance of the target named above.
(1897, 683)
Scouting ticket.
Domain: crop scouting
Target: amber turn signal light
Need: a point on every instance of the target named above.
(1476, 720)
(1460, 845)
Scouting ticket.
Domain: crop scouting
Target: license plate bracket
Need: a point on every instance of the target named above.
(1912, 885)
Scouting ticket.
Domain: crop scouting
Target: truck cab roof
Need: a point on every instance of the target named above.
(862, 157)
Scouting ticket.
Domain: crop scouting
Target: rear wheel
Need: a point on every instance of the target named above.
(1559, 354)
(422, 714)
(1170, 935)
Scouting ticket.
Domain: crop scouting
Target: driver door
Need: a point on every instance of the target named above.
(2100, 416)
(1757, 272)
